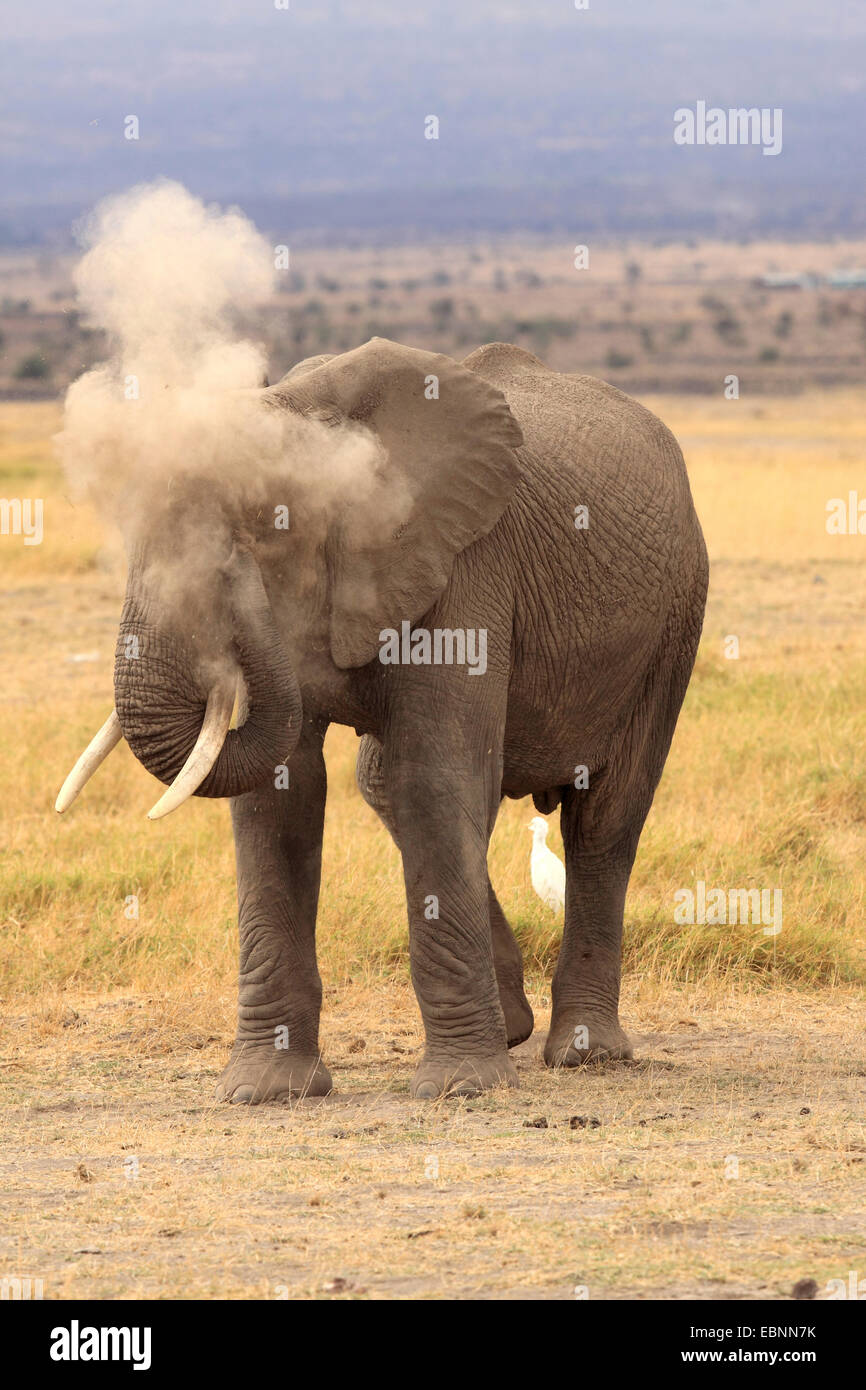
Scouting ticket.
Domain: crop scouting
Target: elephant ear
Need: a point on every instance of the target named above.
(309, 364)
(447, 473)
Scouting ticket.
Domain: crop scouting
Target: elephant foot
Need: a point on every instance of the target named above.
(581, 1037)
(257, 1072)
(519, 1019)
(466, 1077)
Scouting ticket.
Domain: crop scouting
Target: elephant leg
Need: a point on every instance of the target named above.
(278, 848)
(601, 827)
(584, 1023)
(507, 959)
(444, 795)
(508, 962)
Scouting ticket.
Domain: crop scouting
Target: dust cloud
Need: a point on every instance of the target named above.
(177, 408)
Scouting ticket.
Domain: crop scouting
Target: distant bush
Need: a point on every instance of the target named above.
(615, 358)
(32, 368)
(322, 335)
(292, 284)
(442, 308)
(769, 354)
(546, 327)
(784, 323)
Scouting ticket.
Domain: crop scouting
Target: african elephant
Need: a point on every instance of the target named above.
(550, 513)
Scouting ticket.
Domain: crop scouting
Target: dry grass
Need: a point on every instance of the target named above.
(765, 788)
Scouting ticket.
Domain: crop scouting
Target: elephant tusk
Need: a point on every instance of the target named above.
(95, 753)
(208, 745)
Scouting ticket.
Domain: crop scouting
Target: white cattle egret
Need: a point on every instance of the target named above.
(547, 872)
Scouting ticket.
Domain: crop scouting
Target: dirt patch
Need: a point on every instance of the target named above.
(727, 1162)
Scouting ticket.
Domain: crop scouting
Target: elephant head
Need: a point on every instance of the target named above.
(446, 470)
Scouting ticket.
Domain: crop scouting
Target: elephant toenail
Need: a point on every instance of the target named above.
(242, 1096)
(428, 1090)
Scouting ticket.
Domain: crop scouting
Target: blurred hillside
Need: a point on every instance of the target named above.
(552, 119)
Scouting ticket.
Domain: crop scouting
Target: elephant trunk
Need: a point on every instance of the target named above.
(165, 681)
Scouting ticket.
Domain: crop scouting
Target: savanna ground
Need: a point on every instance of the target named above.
(728, 1161)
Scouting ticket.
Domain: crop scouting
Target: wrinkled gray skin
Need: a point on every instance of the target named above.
(591, 638)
